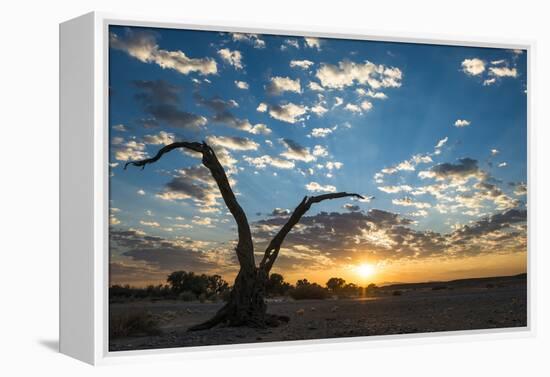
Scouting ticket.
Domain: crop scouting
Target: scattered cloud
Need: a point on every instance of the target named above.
(233, 58)
(473, 67)
(162, 138)
(253, 39)
(263, 161)
(241, 84)
(462, 123)
(315, 86)
(303, 64)
(289, 112)
(161, 100)
(295, 151)
(316, 187)
(233, 143)
(321, 132)
(348, 73)
(143, 46)
(313, 42)
(278, 85)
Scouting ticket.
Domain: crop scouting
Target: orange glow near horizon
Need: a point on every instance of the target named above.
(363, 272)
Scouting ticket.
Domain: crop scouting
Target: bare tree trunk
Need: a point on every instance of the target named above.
(246, 305)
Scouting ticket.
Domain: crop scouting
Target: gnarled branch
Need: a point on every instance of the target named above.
(274, 246)
(245, 248)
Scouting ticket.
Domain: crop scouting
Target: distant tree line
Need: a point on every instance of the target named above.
(189, 286)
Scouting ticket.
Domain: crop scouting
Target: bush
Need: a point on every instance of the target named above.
(397, 293)
(305, 290)
(187, 296)
(276, 286)
(132, 324)
(202, 298)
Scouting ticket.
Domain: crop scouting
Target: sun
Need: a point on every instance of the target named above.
(365, 270)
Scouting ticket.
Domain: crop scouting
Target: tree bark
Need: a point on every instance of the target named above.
(246, 305)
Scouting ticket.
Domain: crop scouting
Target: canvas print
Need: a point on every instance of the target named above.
(271, 188)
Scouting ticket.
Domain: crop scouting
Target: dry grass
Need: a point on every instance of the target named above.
(138, 323)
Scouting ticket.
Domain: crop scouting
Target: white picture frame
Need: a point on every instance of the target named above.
(84, 177)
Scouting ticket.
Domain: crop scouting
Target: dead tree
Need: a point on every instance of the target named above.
(246, 305)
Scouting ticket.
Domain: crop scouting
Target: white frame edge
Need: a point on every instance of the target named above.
(92, 346)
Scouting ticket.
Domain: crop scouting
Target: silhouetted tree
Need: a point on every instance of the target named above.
(276, 285)
(246, 304)
(306, 290)
(334, 284)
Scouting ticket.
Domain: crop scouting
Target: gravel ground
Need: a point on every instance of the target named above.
(414, 311)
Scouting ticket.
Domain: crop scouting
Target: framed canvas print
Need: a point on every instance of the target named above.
(243, 187)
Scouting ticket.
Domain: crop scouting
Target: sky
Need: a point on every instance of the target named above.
(434, 137)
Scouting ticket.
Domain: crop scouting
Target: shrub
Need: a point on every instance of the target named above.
(187, 296)
(202, 298)
(276, 285)
(397, 293)
(306, 290)
(132, 324)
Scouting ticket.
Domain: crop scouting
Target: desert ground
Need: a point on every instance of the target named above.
(398, 309)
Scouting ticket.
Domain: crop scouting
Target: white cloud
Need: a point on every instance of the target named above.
(253, 39)
(207, 221)
(442, 142)
(353, 108)
(162, 138)
(295, 151)
(279, 85)
(152, 224)
(290, 43)
(120, 127)
(140, 192)
(502, 165)
(315, 86)
(489, 82)
(521, 189)
(262, 107)
(233, 58)
(338, 101)
(462, 123)
(318, 109)
(377, 95)
(503, 72)
(241, 84)
(321, 132)
(331, 165)
(128, 151)
(494, 152)
(303, 64)
(366, 105)
(395, 189)
(313, 42)
(233, 143)
(347, 73)
(143, 46)
(289, 112)
(473, 67)
(316, 187)
(260, 129)
(263, 161)
(320, 151)
(408, 202)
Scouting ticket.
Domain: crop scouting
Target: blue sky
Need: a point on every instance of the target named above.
(433, 136)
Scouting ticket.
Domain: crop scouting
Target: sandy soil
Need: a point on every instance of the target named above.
(417, 310)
